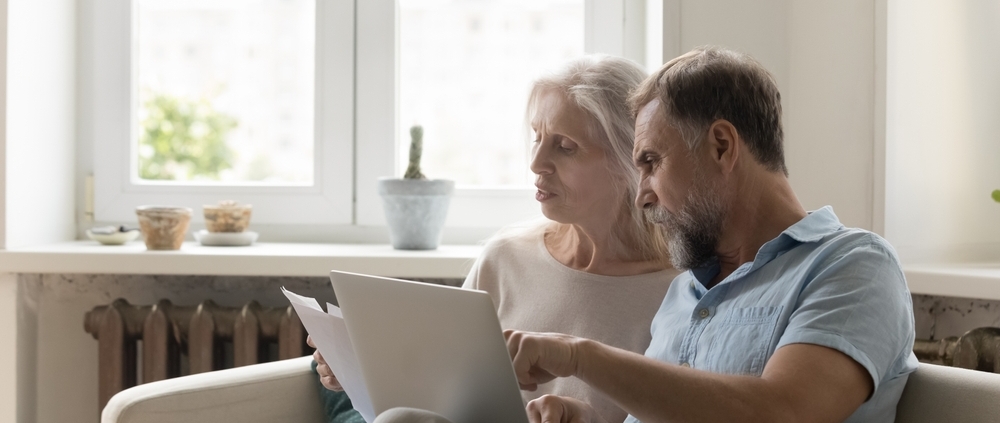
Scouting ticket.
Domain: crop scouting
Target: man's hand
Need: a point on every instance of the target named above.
(326, 376)
(541, 357)
(555, 409)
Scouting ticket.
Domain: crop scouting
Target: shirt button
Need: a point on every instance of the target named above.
(704, 313)
(685, 365)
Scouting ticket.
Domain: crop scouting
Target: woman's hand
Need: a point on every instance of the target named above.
(555, 409)
(326, 376)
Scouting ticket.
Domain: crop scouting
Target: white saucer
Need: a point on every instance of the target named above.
(115, 238)
(225, 239)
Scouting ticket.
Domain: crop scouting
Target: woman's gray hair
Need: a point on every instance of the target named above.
(601, 85)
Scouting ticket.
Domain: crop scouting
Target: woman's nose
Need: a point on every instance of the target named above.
(540, 161)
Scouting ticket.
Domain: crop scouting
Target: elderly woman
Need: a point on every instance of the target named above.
(596, 268)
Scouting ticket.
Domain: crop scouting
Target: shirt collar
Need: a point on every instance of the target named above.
(814, 227)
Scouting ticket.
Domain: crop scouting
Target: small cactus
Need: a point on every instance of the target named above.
(416, 149)
(996, 195)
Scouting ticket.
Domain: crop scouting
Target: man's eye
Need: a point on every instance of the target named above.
(646, 162)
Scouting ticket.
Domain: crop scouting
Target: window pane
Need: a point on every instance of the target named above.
(466, 67)
(225, 91)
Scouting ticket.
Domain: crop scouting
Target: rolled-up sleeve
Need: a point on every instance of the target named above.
(856, 303)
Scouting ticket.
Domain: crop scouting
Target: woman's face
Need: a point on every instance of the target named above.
(570, 164)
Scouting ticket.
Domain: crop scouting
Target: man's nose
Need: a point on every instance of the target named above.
(645, 196)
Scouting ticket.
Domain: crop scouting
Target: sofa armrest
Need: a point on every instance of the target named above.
(948, 394)
(277, 391)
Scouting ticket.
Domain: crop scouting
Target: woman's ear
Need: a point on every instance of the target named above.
(723, 145)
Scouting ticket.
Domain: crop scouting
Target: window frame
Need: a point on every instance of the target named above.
(615, 27)
(357, 77)
(326, 201)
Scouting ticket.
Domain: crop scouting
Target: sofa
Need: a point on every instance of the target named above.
(287, 391)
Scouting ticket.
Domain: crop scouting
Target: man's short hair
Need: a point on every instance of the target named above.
(711, 83)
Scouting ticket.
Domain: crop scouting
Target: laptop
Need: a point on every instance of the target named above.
(431, 347)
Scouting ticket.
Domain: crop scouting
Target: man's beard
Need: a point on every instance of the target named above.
(692, 233)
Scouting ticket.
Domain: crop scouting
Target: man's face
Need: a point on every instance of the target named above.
(675, 191)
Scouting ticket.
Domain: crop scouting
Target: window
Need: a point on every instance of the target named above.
(225, 91)
(465, 69)
(275, 75)
(308, 101)
(615, 27)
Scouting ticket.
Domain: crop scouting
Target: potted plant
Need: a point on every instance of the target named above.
(415, 207)
(996, 195)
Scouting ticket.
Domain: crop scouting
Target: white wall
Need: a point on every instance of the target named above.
(758, 28)
(19, 351)
(37, 126)
(3, 123)
(9, 406)
(823, 57)
(942, 143)
(830, 100)
(40, 129)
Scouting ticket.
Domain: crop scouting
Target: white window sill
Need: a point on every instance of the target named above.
(976, 280)
(966, 280)
(260, 259)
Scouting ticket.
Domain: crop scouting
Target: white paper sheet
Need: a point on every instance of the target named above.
(329, 332)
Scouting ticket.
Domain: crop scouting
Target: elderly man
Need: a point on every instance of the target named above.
(784, 316)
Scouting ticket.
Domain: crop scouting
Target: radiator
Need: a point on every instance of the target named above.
(977, 349)
(199, 336)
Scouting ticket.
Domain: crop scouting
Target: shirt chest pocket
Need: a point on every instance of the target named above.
(742, 342)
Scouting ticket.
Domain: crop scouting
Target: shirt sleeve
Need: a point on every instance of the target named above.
(857, 303)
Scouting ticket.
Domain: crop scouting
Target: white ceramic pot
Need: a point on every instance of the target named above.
(415, 210)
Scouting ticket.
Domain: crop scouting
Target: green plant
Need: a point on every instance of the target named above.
(996, 195)
(416, 149)
(183, 139)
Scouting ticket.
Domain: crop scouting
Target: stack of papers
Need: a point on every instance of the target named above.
(329, 333)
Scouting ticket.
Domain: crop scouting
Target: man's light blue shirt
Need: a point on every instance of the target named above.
(816, 283)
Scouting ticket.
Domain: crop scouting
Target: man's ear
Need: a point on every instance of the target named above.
(723, 145)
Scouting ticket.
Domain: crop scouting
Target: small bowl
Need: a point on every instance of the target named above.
(227, 216)
(116, 238)
(163, 227)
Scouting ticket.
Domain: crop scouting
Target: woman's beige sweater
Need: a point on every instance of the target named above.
(534, 292)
